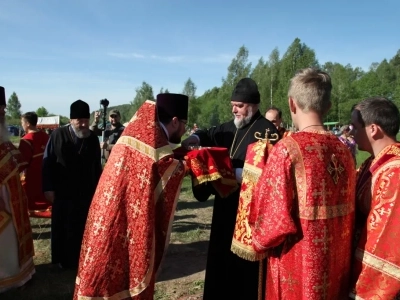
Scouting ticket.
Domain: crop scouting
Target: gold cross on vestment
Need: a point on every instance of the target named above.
(335, 169)
(324, 240)
(98, 225)
(323, 286)
(290, 282)
(323, 193)
(136, 208)
(318, 147)
(109, 195)
(144, 178)
(88, 257)
(115, 269)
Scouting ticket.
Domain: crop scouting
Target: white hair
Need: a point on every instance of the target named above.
(246, 120)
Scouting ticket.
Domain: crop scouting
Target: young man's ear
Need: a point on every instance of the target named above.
(292, 105)
(375, 131)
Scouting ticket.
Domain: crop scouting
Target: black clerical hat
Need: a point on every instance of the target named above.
(246, 91)
(2, 96)
(79, 110)
(173, 105)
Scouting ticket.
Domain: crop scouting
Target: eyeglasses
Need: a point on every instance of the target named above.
(184, 122)
(113, 116)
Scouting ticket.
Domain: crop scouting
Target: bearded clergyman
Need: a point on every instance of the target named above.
(225, 270)
(71, 171)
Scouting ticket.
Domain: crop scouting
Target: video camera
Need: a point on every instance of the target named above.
(104, 102)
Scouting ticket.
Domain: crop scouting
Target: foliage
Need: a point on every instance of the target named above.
(42, 112)
(14, 107)
(143, 93)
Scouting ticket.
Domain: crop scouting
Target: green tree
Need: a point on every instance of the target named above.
(162, 91)
(189, 89)
(274, 63)
(238, 69)
(143, 93)
(297, 56)
(42, 112)
(14, 107)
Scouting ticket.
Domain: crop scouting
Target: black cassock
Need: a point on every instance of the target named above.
(71, 168)
(228, 275)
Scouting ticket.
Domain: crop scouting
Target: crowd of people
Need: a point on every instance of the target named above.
(321, 228)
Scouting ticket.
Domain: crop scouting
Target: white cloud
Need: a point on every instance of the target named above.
(222, 58)
(217, 59)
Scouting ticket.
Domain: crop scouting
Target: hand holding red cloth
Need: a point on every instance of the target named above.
(210, 164)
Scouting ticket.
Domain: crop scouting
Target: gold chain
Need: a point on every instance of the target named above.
(234, 139)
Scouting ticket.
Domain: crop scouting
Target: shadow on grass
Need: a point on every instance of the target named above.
(184, 260)
(41, 235)
(48, 283)
(194, 204)
(189, 226)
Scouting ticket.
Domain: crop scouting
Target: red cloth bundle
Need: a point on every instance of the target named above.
(210, 164)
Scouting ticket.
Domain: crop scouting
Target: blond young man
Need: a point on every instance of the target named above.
(303, 213)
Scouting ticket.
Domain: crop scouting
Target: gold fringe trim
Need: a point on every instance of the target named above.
(246, 252)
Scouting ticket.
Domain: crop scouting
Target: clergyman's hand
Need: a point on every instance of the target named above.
(192, 140)
(49, 195)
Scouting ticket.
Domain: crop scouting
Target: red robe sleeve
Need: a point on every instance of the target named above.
(26, 150)
(274, 197)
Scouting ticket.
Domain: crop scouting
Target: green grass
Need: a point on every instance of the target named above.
(361, 157)
(15, 139)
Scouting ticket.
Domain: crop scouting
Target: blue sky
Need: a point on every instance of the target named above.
(54, 52)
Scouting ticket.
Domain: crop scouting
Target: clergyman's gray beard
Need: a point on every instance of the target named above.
(243, 121)
(4, 134)
(81, 133)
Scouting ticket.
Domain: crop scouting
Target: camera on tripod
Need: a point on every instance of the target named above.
(104, 102)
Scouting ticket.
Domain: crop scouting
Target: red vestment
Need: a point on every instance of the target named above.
(10, 165)
(131, 214)
(256, 157)
(377, 257)
(304, 217)
(32, 147)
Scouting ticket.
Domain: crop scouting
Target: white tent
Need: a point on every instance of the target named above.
(48, 122)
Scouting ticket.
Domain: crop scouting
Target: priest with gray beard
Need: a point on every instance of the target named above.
(71, 171)
(226, 273)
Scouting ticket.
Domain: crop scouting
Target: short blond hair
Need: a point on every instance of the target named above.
(311, 89)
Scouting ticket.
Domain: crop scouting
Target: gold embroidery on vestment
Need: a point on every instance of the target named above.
(335, 169)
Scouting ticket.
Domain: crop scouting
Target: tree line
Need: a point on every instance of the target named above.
(272, 74)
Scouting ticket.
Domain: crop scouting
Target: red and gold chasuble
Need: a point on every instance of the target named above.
(10, 163)
(131, 214)
(256, 157)
(32, 148)
(377, 258)
(304, 216)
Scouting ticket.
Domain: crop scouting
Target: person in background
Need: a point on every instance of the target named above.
(346, 138)
(302, 216)
(377, 255)
(32, 147)
(225, 271)
(71, 171)
(111, 133)
(130, 219)
(16, 243)
(274, 115)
